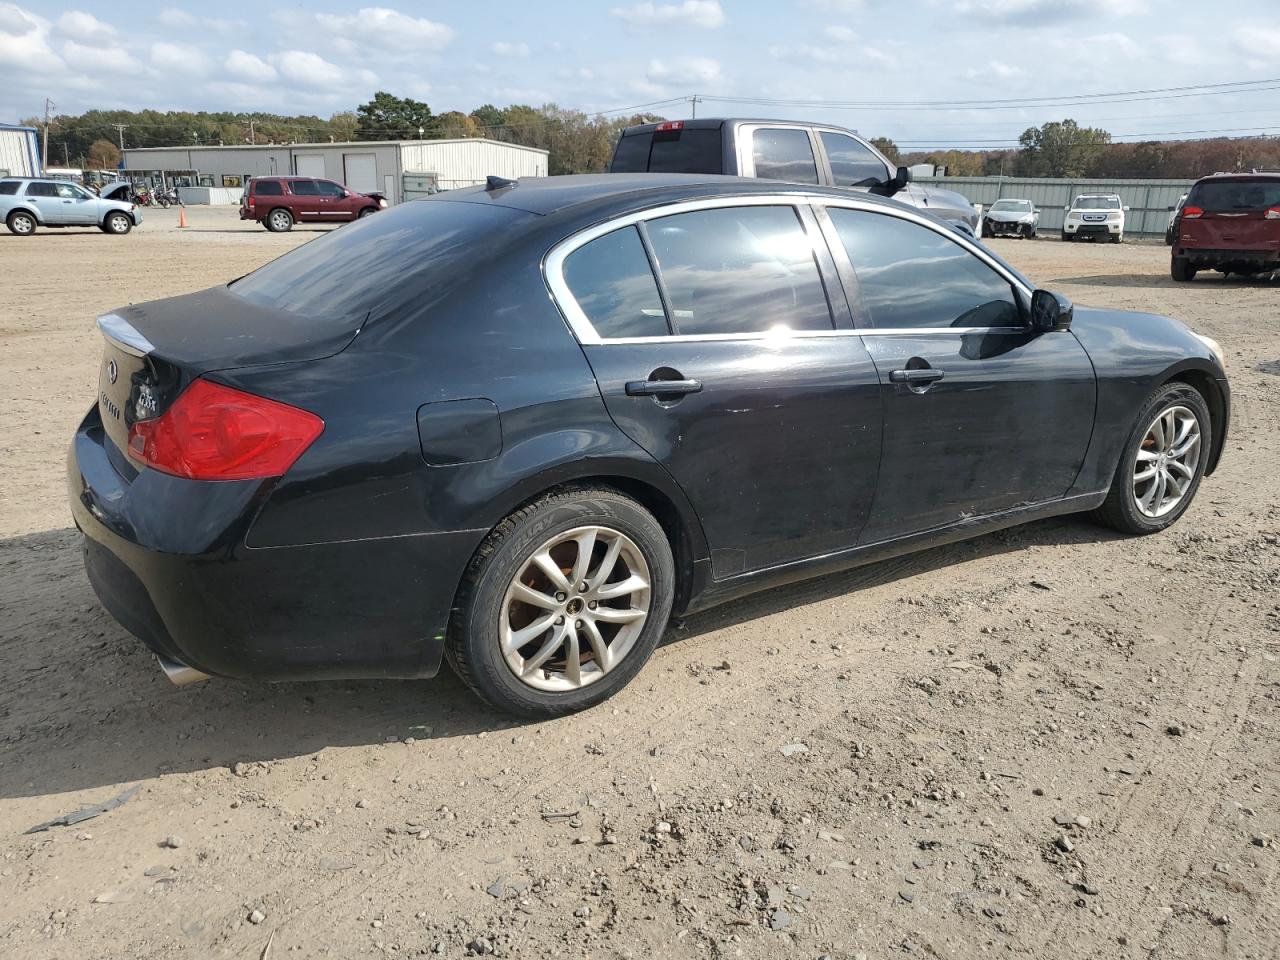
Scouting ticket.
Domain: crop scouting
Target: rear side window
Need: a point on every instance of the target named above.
(852, 164)
(781, 154)
(384, 262)
(739, 270)
(37, 188)
(670, 151)
(304, 188)
(267, 188)
(1235, 195)
(8, 188)
(611, 279)
(911, 276)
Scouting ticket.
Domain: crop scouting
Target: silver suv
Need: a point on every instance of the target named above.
(28, 202)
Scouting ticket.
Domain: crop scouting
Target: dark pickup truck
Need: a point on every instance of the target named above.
(789, 150)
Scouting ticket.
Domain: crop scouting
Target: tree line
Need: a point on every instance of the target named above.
(581, 143)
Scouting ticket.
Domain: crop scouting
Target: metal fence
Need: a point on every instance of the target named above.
(1149, 201)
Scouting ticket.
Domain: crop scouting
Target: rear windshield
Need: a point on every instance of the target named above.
(1224, 195)
(669, 151)
(377, 262)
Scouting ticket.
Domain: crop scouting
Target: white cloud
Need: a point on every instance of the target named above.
(683, 71)
(179, 58)
(249, 68)
(1258, 41)
(1041, 12)
(840, 34)
(691, 13)
(182, 20)
(308, 69)
(504, 49)
(386, 29)
(87, 59)
(24, 44)
(86, 28)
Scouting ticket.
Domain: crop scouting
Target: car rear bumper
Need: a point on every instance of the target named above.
(167, 558)
(1210, 257)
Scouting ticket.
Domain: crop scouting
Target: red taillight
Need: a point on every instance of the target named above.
(1273, 213)
(671, 125)
(1192, 213)
(213, 432)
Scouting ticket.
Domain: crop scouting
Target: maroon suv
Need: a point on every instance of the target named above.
(279, 202)
(1229, 223)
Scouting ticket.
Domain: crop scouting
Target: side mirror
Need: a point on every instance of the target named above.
(899, 181)
(1050, 312)
(1126, 209)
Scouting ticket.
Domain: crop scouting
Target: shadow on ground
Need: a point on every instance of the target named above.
(74, 684)
(1151, 282)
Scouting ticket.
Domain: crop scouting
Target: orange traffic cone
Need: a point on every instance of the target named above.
(182, 217)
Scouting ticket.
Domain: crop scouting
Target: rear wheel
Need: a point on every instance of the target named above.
(279, 220)
(1180, 269)
(117, 223)
(21, 223)
(563, 603)
(1162, 462)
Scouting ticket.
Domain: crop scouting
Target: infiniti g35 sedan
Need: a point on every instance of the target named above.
(519, 426)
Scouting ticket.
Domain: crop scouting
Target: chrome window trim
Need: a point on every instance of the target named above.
(580, 325)
(744, 135)
(122, 334)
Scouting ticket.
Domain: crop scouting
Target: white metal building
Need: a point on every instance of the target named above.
(367, 166)
(19, 151)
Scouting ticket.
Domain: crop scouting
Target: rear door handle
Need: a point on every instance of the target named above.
(927, 375)
(655, 388)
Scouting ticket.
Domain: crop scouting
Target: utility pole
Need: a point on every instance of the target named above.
(252, 136)
(44, 150)
(120, 130)
(693, 101)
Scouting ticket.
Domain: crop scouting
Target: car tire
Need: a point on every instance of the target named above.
(1175, 402)
(21, 223)
(366, 212)
(1117, 238)
(117, 223)
(1067, 237)
(278, 220)
(1181, 270)
(513, 679)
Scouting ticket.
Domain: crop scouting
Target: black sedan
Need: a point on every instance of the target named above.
(519, 426)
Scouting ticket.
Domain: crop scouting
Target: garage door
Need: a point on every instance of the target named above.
(310, 164)
(361, 172)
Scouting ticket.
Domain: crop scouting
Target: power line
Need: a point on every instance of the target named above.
(1115, 137)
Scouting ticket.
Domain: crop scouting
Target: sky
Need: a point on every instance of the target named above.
(880, 66)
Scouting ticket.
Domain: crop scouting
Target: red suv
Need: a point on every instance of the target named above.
(1229, 223)
(279, 202)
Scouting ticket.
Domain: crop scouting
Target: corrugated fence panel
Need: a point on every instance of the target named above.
(465, 163)
(1148, 200)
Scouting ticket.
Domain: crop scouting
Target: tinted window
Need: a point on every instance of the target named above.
(328, 188)
(383, 261)
(739, 270)
(268, 188)
(686, 151)
(1097, 203)
(38, 189)
(632, 154)
(613, 284)
(852, 164)
(1217, 195)
(305, 188)
(784, 155)
(8, 187)
(911, 276)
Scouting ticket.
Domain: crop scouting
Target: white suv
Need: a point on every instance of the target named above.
(1095, 215)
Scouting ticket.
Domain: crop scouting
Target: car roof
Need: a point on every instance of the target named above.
(624, 191)
(1265, 175)
(711, 123)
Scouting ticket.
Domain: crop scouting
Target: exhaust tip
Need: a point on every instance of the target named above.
(179, 674)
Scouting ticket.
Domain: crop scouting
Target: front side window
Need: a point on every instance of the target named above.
(783, 154)
(612, 282)
(852, 163)
(734, 270)
(328, 188)
(305, 188)
(911, 276)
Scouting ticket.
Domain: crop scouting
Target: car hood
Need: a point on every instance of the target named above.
(938, 197)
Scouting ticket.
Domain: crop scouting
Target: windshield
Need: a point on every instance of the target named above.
(1097, 203)
(377, 262)
(1231, 195)
(1012, 206)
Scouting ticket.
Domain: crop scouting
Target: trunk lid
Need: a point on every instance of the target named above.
(154, 350)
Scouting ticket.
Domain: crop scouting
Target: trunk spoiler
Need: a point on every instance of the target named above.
(121, 334)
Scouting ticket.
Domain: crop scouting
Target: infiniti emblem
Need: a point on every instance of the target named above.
(112, 371)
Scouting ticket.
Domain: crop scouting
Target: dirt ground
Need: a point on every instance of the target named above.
(1049, 742)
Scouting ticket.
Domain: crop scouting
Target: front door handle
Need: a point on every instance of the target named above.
(658, 388)
(926, 375)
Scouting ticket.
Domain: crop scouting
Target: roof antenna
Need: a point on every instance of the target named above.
(499, 183)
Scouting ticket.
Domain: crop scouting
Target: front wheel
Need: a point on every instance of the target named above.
(1162, 462)
(1181, 270)
(117, 223)
(563, 603)
(21, 223)
(1067, 237)
(366, 212)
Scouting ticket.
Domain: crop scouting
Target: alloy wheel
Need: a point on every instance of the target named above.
(22, 225)
(280, 221)
(575, 609)
(1167, 461)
